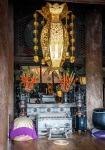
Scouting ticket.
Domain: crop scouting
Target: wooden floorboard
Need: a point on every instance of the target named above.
(77, 141)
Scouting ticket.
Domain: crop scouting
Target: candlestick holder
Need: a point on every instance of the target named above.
(80, 117)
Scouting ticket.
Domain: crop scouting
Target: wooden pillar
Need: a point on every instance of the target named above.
(3, 74)
(104, 92)
(10, 62)
(94, 86)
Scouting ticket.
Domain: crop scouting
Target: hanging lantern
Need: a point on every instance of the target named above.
(54, 35)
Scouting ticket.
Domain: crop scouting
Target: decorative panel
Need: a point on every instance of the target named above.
(46, 78)
(37, 70)
(55, 77)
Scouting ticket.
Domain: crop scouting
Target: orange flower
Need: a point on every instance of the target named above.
(65, 83)
(28, 82)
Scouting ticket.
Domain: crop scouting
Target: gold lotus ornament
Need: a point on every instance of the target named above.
(36, 58)
(54, 35)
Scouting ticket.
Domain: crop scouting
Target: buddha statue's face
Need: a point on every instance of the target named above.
(56, 8)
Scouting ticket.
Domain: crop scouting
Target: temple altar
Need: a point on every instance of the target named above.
(51, 115)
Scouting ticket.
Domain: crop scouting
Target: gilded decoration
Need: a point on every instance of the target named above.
(54, 37)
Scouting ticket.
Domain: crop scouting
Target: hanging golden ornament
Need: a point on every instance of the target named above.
(72, 17)
(35, 15)
(35, 47)
(36, 23)
(36, 58)
(54, 35)
(67, 55)
(72, 59)
(42, 22)
(35, 40)
(72, 48)
(71, 33)
(43, 62)
(35, 32)
(71, 24)
(72, 40)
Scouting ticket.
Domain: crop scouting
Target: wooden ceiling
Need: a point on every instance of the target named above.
(82, 1)
(102, 2)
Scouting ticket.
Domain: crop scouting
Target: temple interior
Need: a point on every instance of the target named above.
(52, 74)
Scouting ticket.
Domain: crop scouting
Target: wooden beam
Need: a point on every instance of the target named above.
(29, 60)
(82, 1)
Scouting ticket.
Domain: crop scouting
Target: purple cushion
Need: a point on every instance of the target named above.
(98, 133)
(23, 130)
